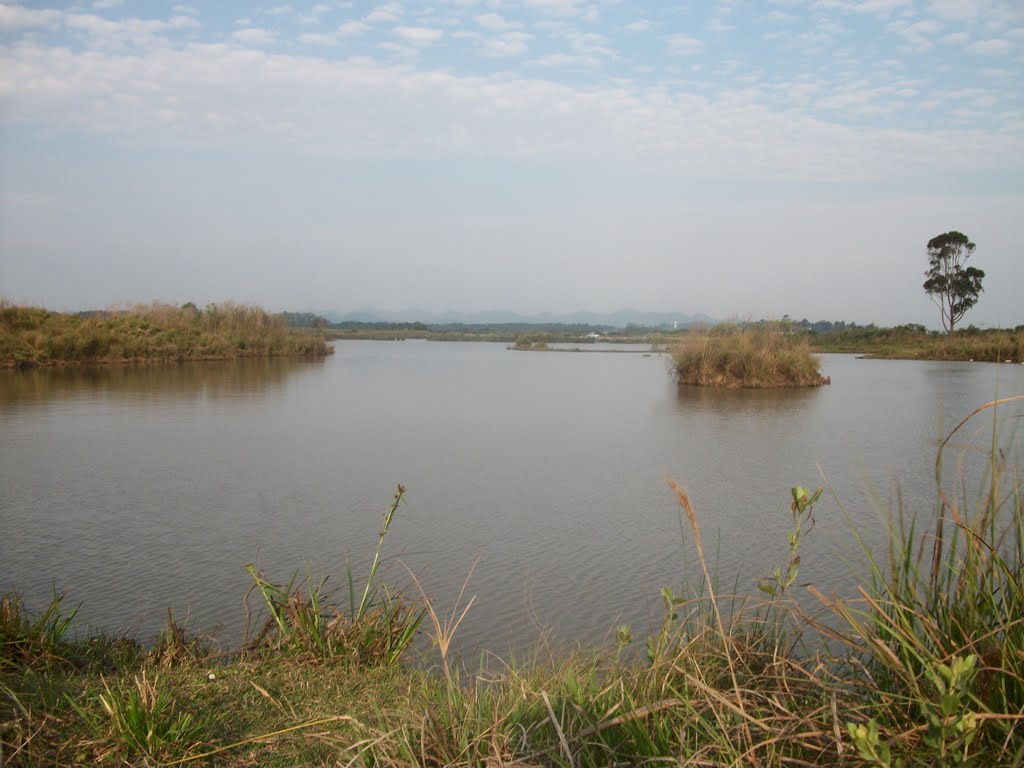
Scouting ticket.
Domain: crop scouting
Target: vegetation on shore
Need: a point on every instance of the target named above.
(920, 664)
(754, 357)
(31, 336)
(914, 342)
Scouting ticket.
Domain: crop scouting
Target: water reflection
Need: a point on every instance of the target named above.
(690, 398)
(153, 382)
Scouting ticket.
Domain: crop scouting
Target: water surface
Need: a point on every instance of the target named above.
(139, 488)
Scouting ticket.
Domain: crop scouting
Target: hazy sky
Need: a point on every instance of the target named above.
(741, 159)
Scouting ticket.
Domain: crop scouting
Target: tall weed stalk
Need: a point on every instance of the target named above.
(303, 619)
(940, 630)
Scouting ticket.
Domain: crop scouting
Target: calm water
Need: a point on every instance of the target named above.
(136, 489)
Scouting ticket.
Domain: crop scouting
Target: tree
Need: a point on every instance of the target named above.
(953, 287)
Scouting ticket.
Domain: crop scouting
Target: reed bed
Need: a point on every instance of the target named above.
(754, 357)
(915, 343)
(32, 336)
(921, 663)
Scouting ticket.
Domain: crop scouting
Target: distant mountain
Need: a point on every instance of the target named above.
(617, 319)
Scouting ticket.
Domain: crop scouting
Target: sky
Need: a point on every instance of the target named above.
(735, 158)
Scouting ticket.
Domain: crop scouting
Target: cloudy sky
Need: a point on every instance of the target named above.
(737, 158)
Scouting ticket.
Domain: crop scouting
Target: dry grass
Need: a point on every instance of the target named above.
(32, 336)
(755, 358)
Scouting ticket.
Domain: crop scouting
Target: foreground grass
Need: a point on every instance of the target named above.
(31, 336)
(762, 356)
(924, 666)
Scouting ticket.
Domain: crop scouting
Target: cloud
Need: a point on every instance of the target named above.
(683, 45)
(312, 38)
(993, 47)
(495, 22)
(955, 38)
(418, 35)
(874, 7)
(14, 17)
(352, 29)
(254, 36)
(385, 12)
(556, 7)
(218, 93)
(555, 60)
(640, 25)
(506, 45)
(918, 34)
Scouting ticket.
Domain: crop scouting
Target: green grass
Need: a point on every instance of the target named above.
(762, 356)
(32, 336)
(920, 663)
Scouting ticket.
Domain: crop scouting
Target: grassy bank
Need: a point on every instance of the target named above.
(762, 356)
(32, 336)
(923, 667)
(912, 342)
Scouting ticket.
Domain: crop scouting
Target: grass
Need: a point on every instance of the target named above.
(755, 357)
(915, 343)
(920, 663)
(31, 336)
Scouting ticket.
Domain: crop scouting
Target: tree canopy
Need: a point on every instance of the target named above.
(951, 285)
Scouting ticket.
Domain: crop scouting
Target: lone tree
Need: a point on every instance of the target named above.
(953, 287)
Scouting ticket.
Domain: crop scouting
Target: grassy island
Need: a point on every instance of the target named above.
(919, 663)
(31, 336)
(753, 357)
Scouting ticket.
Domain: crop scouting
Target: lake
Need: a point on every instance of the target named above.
(140, 488)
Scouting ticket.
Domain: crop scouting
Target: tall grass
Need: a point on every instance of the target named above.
(304, 620)
(940, 627)
(149, 332)
(763, 356)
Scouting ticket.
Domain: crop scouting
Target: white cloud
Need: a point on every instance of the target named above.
(14, 17)
(495, 22)
(957, 10)
(955, 38)
(590, 44)
(506, 45)
(918, 34)
(875, 7)
(640, 25)
(385, 12)
(683, 45)
(556, 7)
(315, 38)
(418, 35)
(717, 25)
(104, 4)
(993, 47)
(254, 36)
(555, 60)
(352, 29)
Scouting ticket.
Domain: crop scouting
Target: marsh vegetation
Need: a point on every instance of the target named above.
(753, 357)
(31, 336)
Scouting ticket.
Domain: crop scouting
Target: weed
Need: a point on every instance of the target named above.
(27, 641)
(303, 620)
(145, 722)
